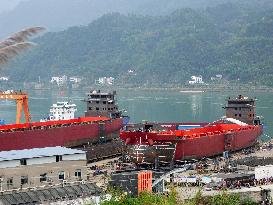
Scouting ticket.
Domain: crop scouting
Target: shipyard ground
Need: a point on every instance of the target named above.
(264, 150)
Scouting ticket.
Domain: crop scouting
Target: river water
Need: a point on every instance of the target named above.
(160, 106)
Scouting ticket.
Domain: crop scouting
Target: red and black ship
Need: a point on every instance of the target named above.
(168, 142)
(102, 120)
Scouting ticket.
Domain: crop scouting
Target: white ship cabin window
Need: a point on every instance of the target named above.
(97, 108)
(43, 177)
(104, 102)
(90, 108)
(97, 102)
(23, 162)
(240, 115)
(59, 158)
(61, 175)
(24, 180)
(235, 115)
(78, 173)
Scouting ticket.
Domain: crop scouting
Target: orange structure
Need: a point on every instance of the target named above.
(145, 181)
(21, 102)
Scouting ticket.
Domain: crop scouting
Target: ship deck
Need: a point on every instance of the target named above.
(55, 123)
(174, 135)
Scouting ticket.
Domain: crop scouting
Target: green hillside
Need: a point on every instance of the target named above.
(235, 41)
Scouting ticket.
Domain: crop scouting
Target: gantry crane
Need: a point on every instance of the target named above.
(21, 99)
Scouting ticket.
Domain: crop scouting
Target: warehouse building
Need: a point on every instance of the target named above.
(41, 166)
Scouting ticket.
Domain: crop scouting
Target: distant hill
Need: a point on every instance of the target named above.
(58, 15)
(229, 39)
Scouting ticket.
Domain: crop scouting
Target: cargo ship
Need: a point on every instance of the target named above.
(167, 142)
(102, 121)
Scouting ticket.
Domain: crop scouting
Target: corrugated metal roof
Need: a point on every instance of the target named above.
(45, 195)
(37, 152)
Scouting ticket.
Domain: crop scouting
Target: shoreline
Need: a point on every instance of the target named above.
(178, 89)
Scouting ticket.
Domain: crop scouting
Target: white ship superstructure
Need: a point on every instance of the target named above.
(61, 111)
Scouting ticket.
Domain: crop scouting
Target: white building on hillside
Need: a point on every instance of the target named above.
(196, 80)
(3, 78)
(59, 80)
(75, 80)
(105, 81)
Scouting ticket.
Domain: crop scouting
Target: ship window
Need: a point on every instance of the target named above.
(235, 115)
(108, 108)
(236, 108)
(59, 158)
(249, 115)
(240, 115)
(61, 175)
(97, 108)
(90, 108)
(250, 110)
(24, 180)
(97, 102)
(23, 162)
(104, 102)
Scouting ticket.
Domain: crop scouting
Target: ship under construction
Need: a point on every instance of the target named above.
(168, 142)
(101, 123)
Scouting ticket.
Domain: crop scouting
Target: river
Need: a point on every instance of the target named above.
(161, 106)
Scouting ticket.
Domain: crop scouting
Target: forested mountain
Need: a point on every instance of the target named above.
(229, 39)
(58, 15)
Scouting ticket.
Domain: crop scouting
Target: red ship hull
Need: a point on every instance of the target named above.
(57, 133)
(145, 146)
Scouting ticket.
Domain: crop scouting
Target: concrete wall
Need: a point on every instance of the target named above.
(75, 157)
(42, 160)
(263, 172)
(33, 173)
(7, 164)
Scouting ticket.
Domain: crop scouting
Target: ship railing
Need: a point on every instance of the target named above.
(40, 125)
(194, 135)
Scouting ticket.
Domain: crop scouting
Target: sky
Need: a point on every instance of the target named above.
(6, 5)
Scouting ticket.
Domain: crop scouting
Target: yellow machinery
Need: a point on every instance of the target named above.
(21, 99)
